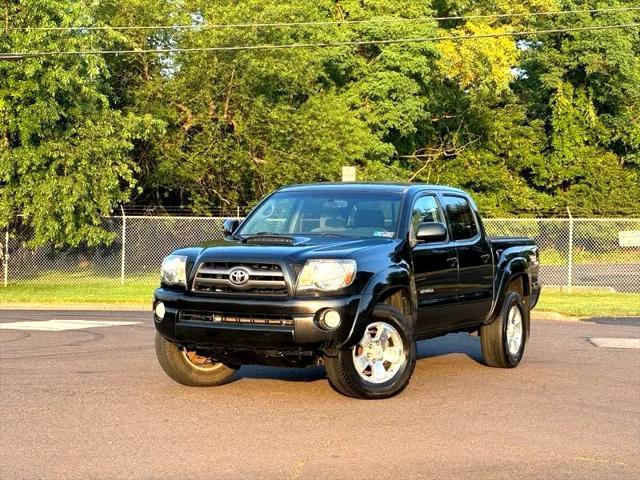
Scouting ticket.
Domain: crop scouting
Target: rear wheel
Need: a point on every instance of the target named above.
(382, 362)
(503, 340)
(189, 368)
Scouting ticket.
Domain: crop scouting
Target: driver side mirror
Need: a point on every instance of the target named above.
(230, 225)
(431, 232)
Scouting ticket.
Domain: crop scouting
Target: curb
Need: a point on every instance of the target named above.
(555, 316)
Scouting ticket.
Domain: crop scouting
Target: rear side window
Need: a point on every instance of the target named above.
(424, 210)
(461, 219)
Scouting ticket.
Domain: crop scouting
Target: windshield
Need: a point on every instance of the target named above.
(334, 213)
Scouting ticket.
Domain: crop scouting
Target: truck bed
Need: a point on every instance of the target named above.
(502, 243)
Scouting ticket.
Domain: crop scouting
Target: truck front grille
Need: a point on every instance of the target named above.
(245, 278)
(236, 318)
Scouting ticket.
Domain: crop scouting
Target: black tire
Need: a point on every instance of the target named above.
(179, 368)
(343, 375)
(493, 337)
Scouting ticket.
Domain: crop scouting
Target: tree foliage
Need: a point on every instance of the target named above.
(529, 124)
(65, 157)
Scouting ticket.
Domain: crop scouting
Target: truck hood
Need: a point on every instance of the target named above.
(302, 249)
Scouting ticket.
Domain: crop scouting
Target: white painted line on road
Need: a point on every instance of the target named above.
(616, 342)
(62, 325)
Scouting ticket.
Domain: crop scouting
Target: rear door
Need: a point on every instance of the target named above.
(435, 270)
(475, 263)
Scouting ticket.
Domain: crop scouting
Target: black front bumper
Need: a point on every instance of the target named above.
(299, 330)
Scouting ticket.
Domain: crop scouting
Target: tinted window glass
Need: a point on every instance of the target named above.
(461, 219)
(326, 212)
(424, 210)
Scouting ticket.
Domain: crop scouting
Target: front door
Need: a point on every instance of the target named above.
(435, 267)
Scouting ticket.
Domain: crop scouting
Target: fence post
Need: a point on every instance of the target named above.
(570, 266)
(124, 243)
(238, 212)
(6, 257)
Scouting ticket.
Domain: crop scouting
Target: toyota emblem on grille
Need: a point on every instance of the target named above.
(239, 276)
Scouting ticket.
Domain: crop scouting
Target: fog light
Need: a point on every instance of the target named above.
(331, 319)
(160, 310)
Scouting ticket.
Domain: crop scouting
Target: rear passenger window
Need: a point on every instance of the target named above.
(461, 220)
(424, 210)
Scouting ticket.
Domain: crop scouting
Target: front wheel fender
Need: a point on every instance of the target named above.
(379, 287)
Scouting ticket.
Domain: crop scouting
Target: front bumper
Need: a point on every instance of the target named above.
(193, 320)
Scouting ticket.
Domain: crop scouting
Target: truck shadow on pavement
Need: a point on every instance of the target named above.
(453, 343)
(309, 374)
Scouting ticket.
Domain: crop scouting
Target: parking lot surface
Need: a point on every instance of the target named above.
(92, 403)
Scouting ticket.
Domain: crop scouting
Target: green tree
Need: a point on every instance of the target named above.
(585, 86)
(244, 123)
(529, 124)
(64, 154)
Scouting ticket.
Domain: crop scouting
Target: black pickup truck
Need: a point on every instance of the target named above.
(350, 275)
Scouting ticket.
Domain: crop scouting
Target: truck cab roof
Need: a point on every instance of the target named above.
(386, 187)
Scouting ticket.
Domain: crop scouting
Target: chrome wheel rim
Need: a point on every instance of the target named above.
(380, 354)
(514, 330)
(198, 362)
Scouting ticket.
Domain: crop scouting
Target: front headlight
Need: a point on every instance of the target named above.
(174, 270)
(326, 275)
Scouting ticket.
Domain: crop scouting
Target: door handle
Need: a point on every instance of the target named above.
(485, 258)
(453, 261)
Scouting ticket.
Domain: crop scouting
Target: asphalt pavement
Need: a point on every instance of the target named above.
(94, 404)
(623, 277)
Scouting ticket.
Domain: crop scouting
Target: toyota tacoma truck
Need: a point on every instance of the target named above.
(349, 275)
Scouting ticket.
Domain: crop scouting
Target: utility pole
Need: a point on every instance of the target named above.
(7, 57)
(6, 258)
(124, 243)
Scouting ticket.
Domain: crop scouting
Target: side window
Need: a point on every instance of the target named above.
(424, 210)
(461, 220)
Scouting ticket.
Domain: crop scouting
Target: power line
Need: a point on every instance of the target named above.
(323, 44)
(9, 57)
(328, 23)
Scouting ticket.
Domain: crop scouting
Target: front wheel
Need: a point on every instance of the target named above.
(189, 368)
(382, 362)
(503, 340)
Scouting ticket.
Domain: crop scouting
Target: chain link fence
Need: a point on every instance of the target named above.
(580, 252)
